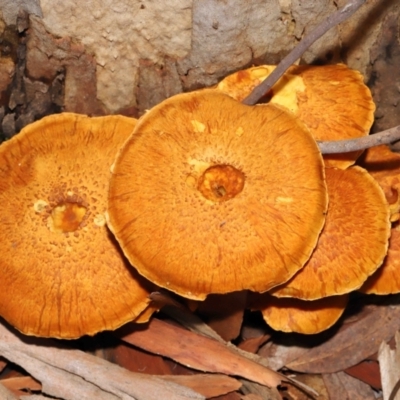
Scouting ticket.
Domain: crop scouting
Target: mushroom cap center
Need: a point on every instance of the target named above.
(66, 217)
(221, 182)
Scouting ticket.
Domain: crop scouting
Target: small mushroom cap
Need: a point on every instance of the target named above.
(384, 165)
(386, 280)
(300, 316)
(212, 196)
(331, 100)
(354, 240)
(62, 273)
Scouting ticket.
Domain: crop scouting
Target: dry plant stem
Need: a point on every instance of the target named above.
(344, 146)
(332, 20)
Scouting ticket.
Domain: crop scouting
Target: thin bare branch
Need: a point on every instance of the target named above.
(332, 20)
(344, 146)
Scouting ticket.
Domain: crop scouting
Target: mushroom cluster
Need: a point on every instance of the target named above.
(205, 196)
(234, 181)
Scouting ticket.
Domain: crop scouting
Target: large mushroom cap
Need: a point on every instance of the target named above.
(331, 100)
(61, 272)
(354, 240)
(212, 196)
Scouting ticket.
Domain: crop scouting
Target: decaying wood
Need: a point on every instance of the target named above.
(73, 374)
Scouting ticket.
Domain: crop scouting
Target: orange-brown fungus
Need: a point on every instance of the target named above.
(386, 280)
(61, 272)
(300, 316)
(203, 203)
(384, 166)
(354, 240)
(331, 100)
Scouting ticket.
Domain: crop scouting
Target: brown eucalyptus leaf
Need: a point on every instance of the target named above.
(349, 344)
(265, 393)
(209, 385)
(253, 344)
(368, 372)
(17, 384)
(251, 396)
(224, 313)
(229, 396)
(3, 364)
(137, 360)
(6, 394)
(342, 386)
(196, 351)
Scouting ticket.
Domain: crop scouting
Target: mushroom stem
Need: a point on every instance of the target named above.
(332, 20)
(344, 146)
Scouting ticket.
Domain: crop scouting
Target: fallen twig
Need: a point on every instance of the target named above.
(331, 21)
(344, 146)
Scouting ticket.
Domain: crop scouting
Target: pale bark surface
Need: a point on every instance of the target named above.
(144, 52)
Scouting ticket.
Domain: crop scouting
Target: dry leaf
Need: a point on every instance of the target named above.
(209, 385)
(73, 374)
(15, 385)
(290, 391)
(5, 394)
(340, 348)
(251, 396)
(196, 351)
(3, 364)
(229, 396)
(137, 360)
(341, 386)
(224, 313)
(253, 344)
(368, 372)
(389, 362)
(259, 390)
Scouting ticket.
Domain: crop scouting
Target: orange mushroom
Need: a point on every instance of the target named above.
(62, 273)
(300, 316)
(211, 196)
(331, 100)
(384, 166)
(386, 280)
(353, 243)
